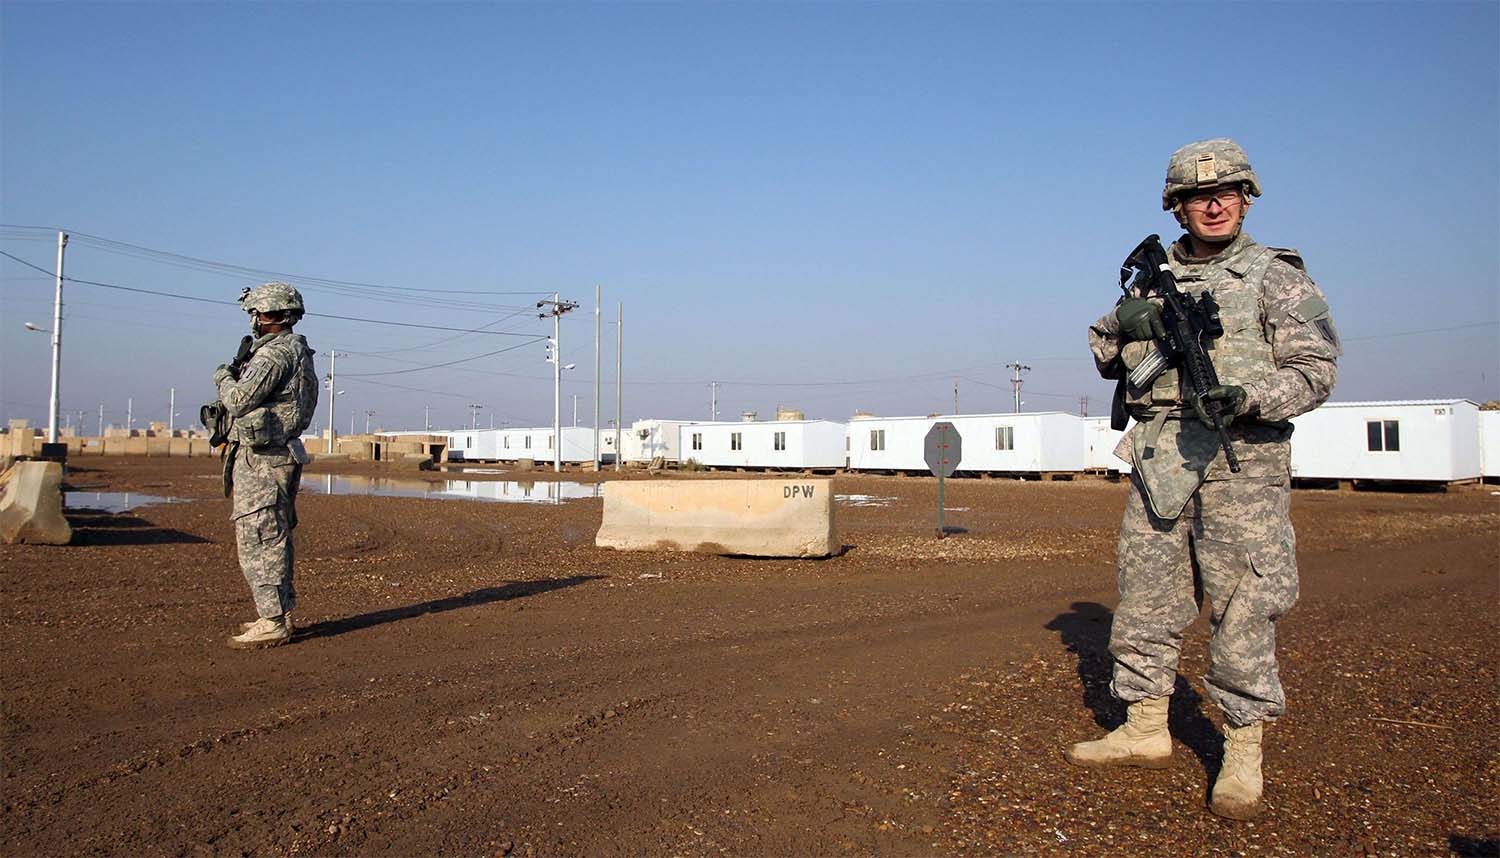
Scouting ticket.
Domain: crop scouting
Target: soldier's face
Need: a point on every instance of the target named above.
(1213, 215)
(265, 323)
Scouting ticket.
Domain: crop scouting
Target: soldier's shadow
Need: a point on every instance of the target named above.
(484, 596)
(1084, 631)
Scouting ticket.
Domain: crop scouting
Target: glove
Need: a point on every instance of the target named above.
(1232, 399)
(1140, 320)
(222, 373)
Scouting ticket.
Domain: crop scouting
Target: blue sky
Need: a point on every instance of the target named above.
(831, 207)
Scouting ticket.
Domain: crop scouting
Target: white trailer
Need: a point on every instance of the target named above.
(652, 439)
(791, 444)
(463, 445)
(1430, 440)
(536, 443)
(1101, 441)
(1038, 442)
(1489, 444)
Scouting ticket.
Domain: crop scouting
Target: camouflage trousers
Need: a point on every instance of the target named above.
(1233, 544)
(265, 513)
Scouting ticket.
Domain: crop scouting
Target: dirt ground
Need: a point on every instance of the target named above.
(476, 678)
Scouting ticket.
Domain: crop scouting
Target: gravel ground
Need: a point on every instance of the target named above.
(477, 678)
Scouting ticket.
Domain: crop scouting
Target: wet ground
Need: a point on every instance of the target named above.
(477, 678)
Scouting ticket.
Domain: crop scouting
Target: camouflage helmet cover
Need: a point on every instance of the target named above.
(273, 297)
(1208, 164)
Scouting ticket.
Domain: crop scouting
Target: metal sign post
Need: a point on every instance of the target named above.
(942, 449)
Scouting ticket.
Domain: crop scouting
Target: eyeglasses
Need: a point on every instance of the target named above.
(1225, 197)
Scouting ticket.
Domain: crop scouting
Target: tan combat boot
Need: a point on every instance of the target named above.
(286, 619)
(1143, 740)
(264, 632)
(1237, 791)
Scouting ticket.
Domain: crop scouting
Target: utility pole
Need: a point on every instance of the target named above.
(368, 415)
(52, 403)
(955, 396)
(598, 314)
(619, 338)
(575, 411)
(333, 395)
(129, 417)
(1015, 380)
(172, 413)
(492, 419)
(427, 418)
(474, 415)
(557, 307)
(101, 420)
(351, 423)
(713, 400)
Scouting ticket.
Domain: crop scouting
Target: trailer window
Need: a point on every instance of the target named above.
(778, 441)
(734, 441)
(697, 440)
(1005, 437)
(506, 440)
(1383, 436)
(527, 439)
(877, 439)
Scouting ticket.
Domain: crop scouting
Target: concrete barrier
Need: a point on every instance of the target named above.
(31, 505)
(761, 518)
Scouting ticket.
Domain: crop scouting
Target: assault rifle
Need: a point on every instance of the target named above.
(214, 416)
(1189, 322)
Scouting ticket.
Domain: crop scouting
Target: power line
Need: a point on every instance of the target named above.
(113, 245)
(534, 339)
(159, 293)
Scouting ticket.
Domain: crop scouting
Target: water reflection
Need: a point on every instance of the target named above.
(112, 502)
(501, 491)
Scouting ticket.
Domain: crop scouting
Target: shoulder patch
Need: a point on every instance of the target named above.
(1310, 308)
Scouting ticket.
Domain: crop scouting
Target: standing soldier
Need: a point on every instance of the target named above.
(271, 399)
(1192, 527)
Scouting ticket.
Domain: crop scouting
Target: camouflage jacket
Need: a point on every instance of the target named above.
(273, 400)
(1279, 344)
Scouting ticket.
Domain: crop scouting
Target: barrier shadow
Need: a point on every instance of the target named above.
(1084, 632)
(1474, 847)
(95, 527)
(483, 596)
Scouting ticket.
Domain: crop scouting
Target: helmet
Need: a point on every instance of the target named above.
(273, 297)
(1208, 164)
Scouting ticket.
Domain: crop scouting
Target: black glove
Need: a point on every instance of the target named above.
(1232, 399)
(1140, 320)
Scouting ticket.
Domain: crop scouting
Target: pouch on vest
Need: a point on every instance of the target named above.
(260, 428)
(1162, 388)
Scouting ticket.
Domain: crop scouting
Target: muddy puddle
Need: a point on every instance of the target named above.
(113, 502)
(500, 491)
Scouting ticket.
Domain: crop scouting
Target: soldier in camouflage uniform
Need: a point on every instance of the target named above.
(271, 399)
(1193, 528)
